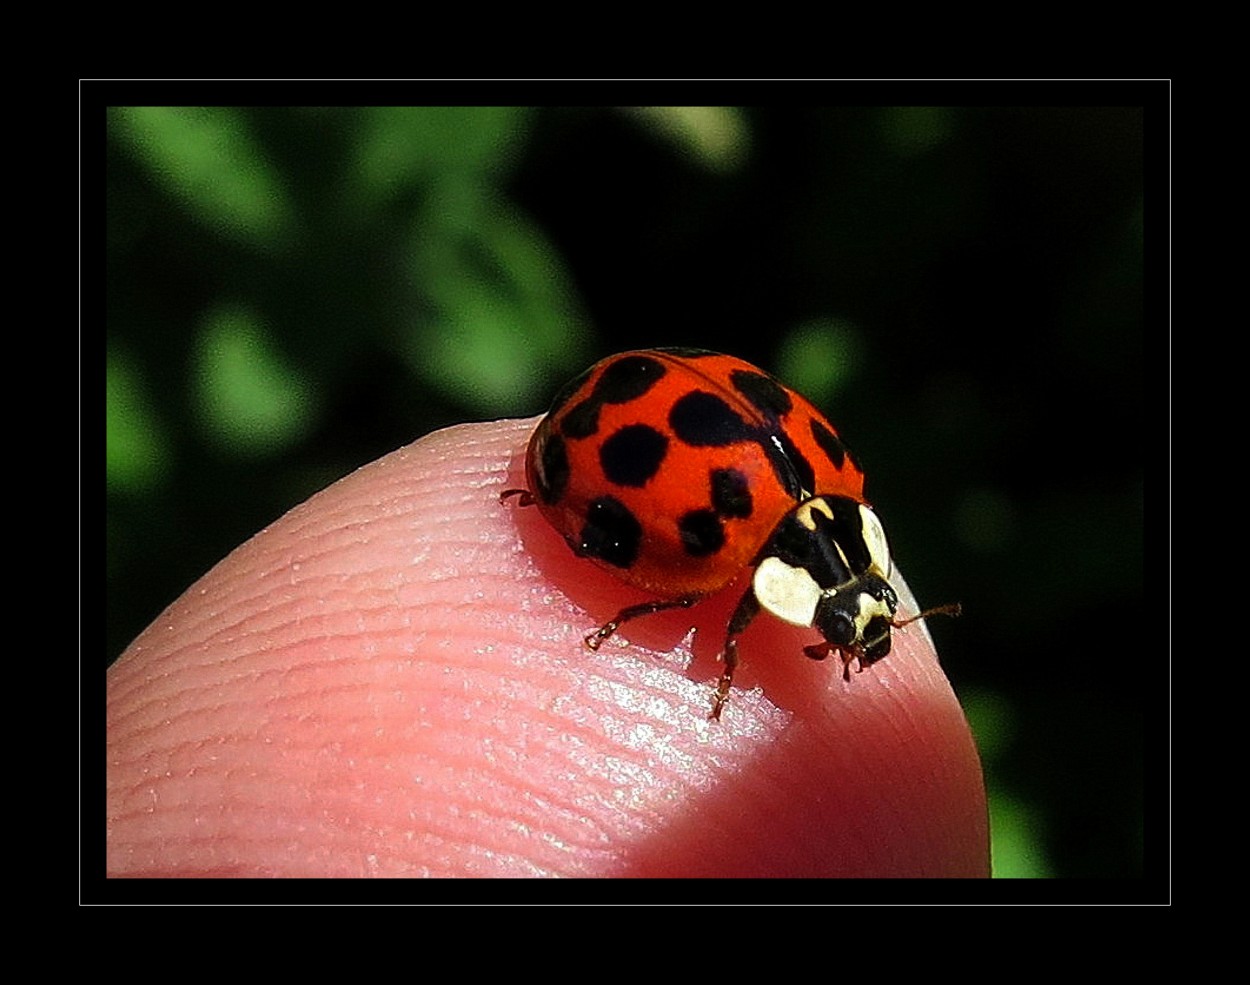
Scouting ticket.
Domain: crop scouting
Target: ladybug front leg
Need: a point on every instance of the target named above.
(748, 608)
(595, 639)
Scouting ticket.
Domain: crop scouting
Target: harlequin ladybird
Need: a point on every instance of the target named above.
(677, 469)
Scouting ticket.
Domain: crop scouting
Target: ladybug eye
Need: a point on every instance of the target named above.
(838, 628)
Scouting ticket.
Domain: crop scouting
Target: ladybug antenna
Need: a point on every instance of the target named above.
(953, 609)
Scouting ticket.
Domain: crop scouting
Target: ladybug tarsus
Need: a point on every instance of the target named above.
(523, 496)
(595, 639)
(723, 686)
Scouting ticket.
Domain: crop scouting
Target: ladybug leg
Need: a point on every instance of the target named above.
(595, 639)
(818, 651)
(523, 496)
(748, 608)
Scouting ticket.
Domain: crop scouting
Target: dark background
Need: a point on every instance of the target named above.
(293, 292)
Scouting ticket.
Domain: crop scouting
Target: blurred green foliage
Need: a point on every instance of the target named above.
(294, 292)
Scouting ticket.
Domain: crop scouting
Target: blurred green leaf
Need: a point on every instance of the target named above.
(249, 400)
(986, 521)
(1016, 847)
(398, 147)
(820, 357)
(207, 160)
(911, 130)
(992, 720)
(502, 309)
(715, 137)
(136, 445)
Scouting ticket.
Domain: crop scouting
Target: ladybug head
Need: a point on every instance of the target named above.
(827, 566)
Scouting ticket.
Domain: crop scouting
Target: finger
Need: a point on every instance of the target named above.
(391, 680)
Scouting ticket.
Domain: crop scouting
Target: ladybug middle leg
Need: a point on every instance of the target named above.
(595, 639)
(748, 608)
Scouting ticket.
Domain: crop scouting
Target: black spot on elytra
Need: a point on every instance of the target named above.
(763, 393)
(566, 392)
(553, 473)
(704, 420)
(774, 402)
(623, 380)
(628, 379)
(632, 455)
(794, 471)
(829, 443)
(702, 533)
(612, 533)
(731, 493)
(581, 420)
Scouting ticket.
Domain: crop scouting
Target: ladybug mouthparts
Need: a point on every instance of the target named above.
(857, 619)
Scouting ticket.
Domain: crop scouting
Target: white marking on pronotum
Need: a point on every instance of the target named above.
(789, 593)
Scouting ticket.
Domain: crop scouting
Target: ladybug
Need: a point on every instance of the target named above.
(677, 469)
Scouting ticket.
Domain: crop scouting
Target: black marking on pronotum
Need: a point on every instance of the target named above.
(815, 551)
(831, 549)
(847, 530)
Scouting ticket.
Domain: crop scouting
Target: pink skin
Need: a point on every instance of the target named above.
(391, 680)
